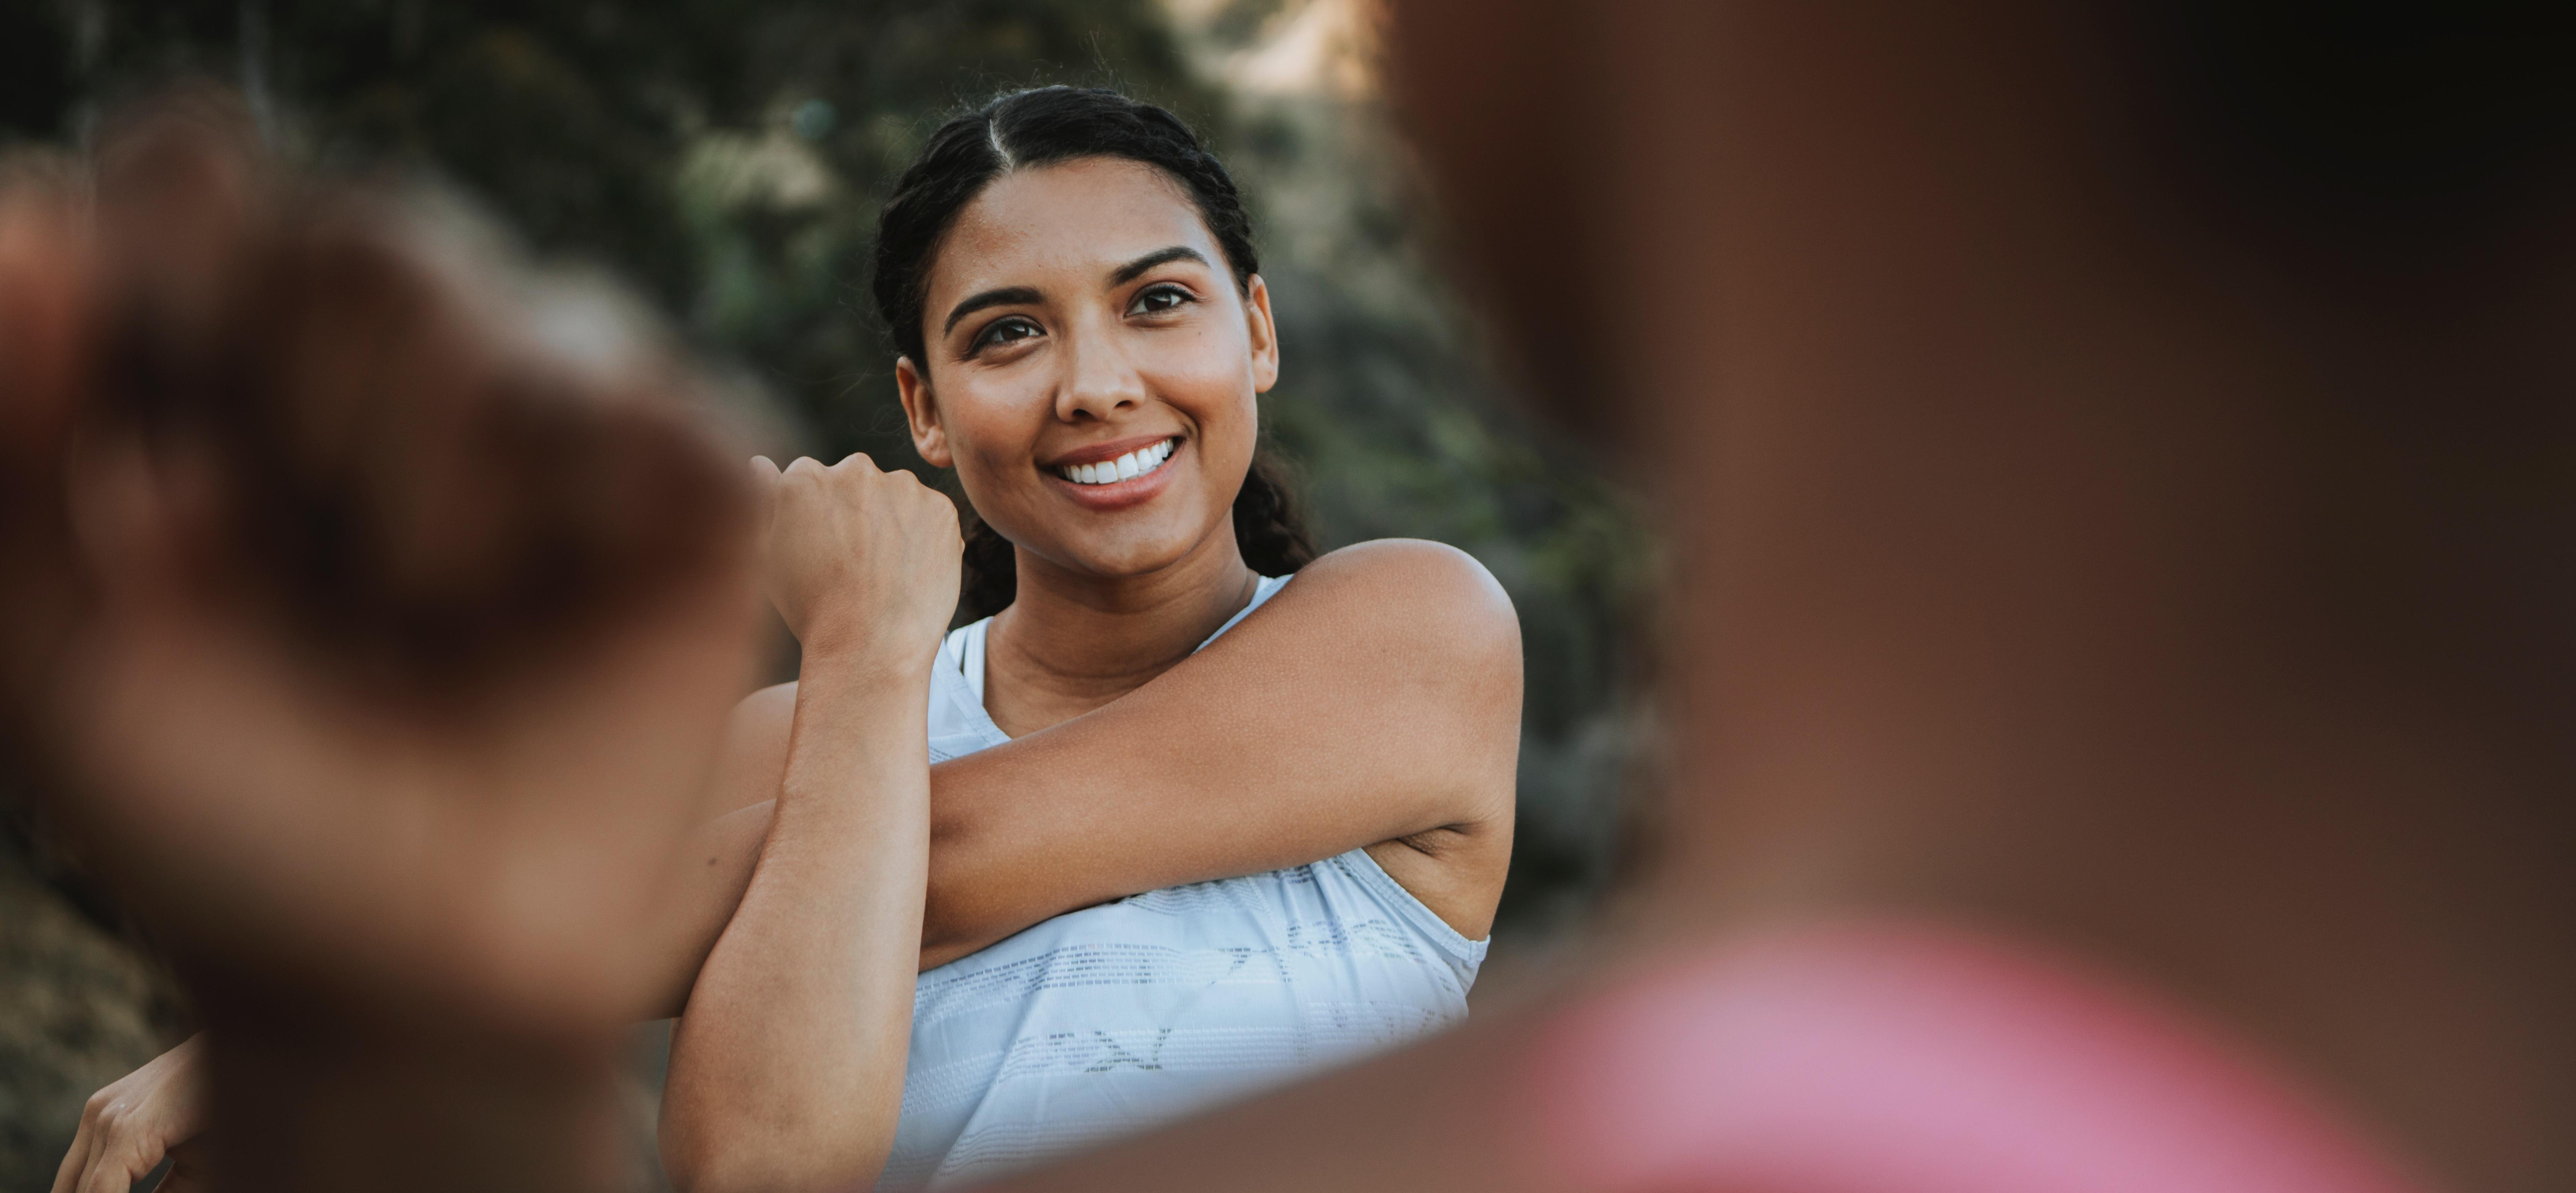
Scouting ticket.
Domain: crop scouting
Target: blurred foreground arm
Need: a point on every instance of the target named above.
(373, 610)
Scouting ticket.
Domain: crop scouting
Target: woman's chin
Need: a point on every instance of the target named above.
(1149, 552)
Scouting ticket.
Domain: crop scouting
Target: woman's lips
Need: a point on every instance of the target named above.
(1100, 467)
(1138, 475)
(1106, 450)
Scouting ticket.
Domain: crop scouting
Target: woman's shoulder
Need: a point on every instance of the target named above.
(1409, 572)
(1411, 584)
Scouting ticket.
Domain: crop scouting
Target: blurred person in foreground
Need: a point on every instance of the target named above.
(372, 607)
(2123, 477)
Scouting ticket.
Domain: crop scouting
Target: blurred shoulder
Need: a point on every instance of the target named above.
(1417, 584)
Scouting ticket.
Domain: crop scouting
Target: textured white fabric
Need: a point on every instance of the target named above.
(1114, 1018)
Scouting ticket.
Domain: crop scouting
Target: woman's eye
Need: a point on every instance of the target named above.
(1158, 299)
(1004, 331)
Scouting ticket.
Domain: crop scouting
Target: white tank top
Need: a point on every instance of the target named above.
(1107, 1020)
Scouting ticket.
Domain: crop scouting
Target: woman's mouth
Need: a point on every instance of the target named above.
(1140, 462)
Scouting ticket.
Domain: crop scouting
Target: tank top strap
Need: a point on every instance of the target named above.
(970, 657)
(1262, 591)
(959, 722)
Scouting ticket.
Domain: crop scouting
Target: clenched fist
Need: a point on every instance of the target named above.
(862, 563)
(370, 606)
(372, 602)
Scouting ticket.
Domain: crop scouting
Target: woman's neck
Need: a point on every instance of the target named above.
(1071, 642)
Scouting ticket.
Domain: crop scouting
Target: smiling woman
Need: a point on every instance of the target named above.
(991, 321)
(1166, 869)
(1086, 320)
(1166, 826)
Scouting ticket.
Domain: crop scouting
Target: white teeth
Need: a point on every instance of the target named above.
(1133, 464)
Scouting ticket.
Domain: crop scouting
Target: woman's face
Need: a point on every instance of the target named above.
(1092, 368)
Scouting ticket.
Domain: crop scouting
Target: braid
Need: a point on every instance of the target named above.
(991, 571)
(1267, 529)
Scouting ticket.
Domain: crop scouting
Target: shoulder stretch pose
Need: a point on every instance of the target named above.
(1175, 850)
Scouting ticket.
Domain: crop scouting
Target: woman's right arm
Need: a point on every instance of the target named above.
(788, 1068)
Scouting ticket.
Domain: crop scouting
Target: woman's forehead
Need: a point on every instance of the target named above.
(1072, 220)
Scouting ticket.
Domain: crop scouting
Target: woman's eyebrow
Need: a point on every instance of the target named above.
(1006, 296)
(1179, 252)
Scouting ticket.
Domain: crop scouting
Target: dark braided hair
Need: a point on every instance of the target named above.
(1040, 127)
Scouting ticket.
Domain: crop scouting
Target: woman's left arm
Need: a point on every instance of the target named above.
(1374, 700)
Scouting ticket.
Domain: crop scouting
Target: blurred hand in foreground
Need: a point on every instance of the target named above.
(373, 605)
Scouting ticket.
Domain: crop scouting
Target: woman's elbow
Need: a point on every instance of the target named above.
(730, 1138)
(960, 912)
(754, 1161)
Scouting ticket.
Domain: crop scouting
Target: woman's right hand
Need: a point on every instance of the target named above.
(129, 1126)
(863, 564)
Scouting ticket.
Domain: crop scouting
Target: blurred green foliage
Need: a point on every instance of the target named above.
(726, 158)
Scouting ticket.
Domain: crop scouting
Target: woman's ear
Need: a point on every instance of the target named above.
(1264, 335)
(921, 410)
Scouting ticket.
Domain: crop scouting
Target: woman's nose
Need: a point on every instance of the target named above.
(1099, 382)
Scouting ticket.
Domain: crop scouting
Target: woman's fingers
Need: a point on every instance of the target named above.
(67, 1178)
(73, 1175)
(123, 1150)
(129, 1125)
(862, 559)
(114, 1172)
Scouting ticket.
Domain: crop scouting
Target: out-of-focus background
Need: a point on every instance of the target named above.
(725, 159)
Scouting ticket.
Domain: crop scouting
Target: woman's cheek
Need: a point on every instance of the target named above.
(1216, 395)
